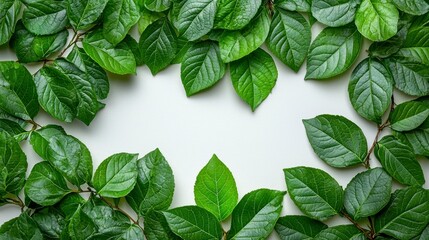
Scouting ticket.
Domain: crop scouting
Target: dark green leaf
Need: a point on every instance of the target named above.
(22, 227)
(333, 52)
(50, 222)
(45, 17)
(201, 67)
(40, 138)
(423, 235)
(399, 161)
(215, 189)
(45, 185)
(254, 77)
(410, 78)
(84, 13)
(392, 45)
(314, 191)
(341, 232)
(69, 204)
(416, 46)
(156, 227)
(414, 7)
(11, 127)
(334, 13)
(9, 12)
(336, 140)
(183, 46)
(408, 115)
(196, 18)
(418, 139)
(289, 38)
(157, 5)
(235, 14)
(147, 18)
(81, 226)
(294, 5)
(119, 17)
(298, 228)
(116, 176)
(135, 49)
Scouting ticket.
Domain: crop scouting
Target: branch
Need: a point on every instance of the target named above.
(363, 230)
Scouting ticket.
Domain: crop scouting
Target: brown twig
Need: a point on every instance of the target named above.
(75, 39)
(363, 230)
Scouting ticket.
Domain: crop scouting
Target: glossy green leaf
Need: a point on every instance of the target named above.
(135, 49)
(196, 18)
(155, 184)
(333, 52)
(11, 127)
(157, 5)
(18, 96)
(119, 17)
(341, 232)
(57, 94)
(334, 13)
(336, 140)
(9, 13)
(201, 67)
(399, 161)
(370, 89)
(158, 44)
(40, 138)
(240, 43)
(413, 7)
(173, 14)
(289, 38)
(50, 222)
(406, 215)
(156, 227)
(408, 115)
(254, 77)
(294, 5)
(367, 193)
(45, 185)
(45, 17)
(116, 176)
(147, 18)
(418, 139)
(256, 215)
(83, 14)
(13, 165)
(193, 223)
(377, 20)
(314, 192)
(22, 227)
(215, 189)
(392, 45)
(69, 204)
(410, 78)
(298, 228)
(235, 14)
(415, 48)
(81, 226)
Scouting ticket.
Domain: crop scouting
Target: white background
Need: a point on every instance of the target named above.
(144, 112)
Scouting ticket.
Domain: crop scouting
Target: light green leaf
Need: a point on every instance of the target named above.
(40, 138)
(289, 38)
(215, 189)
(367, 193)
(201, 67)
(408, 115)
(413, 7)
(336, 140)
(117, 59)
(333, 52)
(370, 89)
(399, 161)
(45, 185)
(298, 228)
(147, 18)
(119, 17)
(157, 5)
(256, 215)
(294, 5)
(334, 13)
(406, 215)
(377, 20)
(155, 184)
(240, 43)
(410, 78)
(22, 227)
(341, 232)
(84, 13)
(314, 192)
(196, 18)
(193, 223)
(254, 77)
(235, 14)
(416, 46)
(116, 176)
(45, 17)
(9, 12)
(156, 227)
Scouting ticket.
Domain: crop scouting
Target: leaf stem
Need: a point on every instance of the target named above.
(17, 202)
(363, 230)
(75, 39)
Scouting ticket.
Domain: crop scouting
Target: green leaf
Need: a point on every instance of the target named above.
(341, 232)
(370, 89)
(367, 193)
(119, 17)
(235, 14)
(314, 192)
(334, 13)
(256, 214)
(413, 7)
(333, 52)
(45, 17)
(116, 176)
(9, 12)
(32, 48)
(22, 227)
(117, 59)
(83, 14)
(147, 18)
(40, 138)
(254, 77)
(156, 227)
(69, 204)
(155, 184)
(13, 165)
(196, 18)
(50, 222)
(406, 215)
(94, 73)
(418, 139)
(135, 49)
(11, 127)
(416, 46)
(392, 45)
(215, 189)
(336, 140)
(298, 228)
(201, 67)
(289, 38)
(408, 115)
(410, 78)
(193, 223)
(240, 43)
(423, 235)
(399, 161)
(377, 20)
(45, 185)
(57, 93)
(173, 14)
(157, 5)
(294, 5)
(81, 226)
(158, 44)
(18, 96)
(183, 47)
